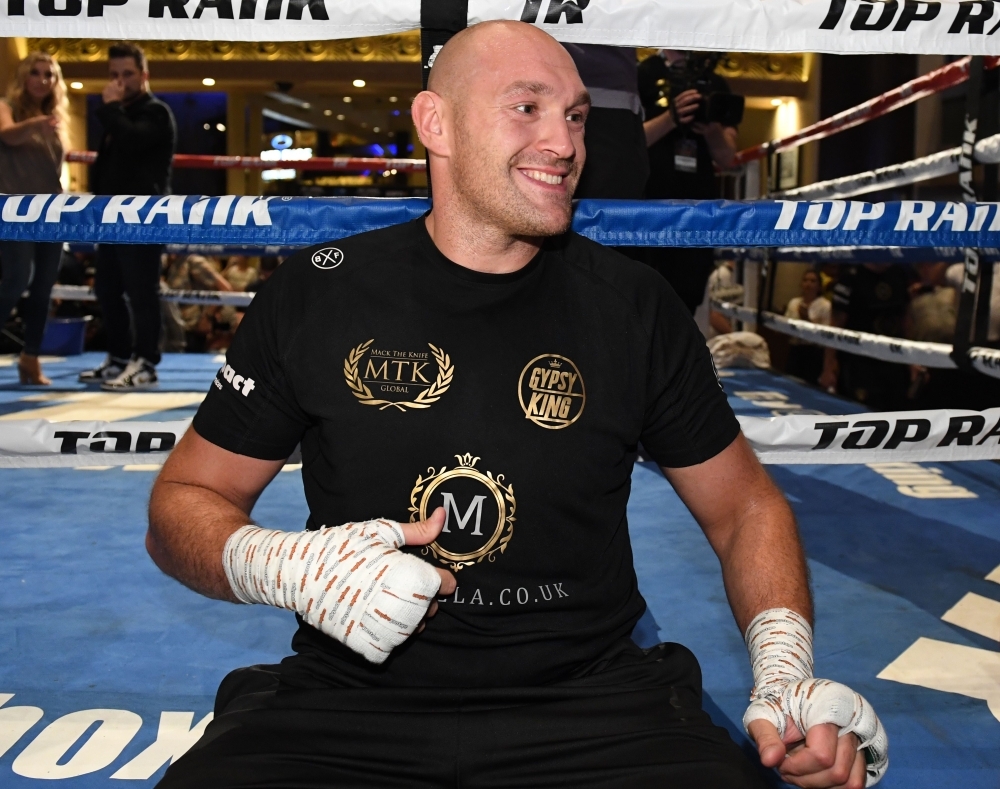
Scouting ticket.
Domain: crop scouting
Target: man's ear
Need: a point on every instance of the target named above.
(428, 113)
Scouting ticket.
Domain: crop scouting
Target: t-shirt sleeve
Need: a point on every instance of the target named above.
(251, 408)
(688, 419)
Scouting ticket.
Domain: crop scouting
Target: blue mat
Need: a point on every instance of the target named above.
(88, 623)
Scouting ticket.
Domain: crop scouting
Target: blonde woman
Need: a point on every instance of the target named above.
(32, 143)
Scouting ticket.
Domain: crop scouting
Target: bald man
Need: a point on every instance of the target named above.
(468, 390)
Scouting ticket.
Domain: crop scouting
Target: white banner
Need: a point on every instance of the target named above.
(38, 443)
(911, 436)
(842, 26)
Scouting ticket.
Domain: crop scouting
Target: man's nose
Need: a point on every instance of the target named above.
(556, 137)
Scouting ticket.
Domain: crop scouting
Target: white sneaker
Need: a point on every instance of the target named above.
(110, 368)
(137, 375)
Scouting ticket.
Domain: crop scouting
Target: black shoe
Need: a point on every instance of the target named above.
(109, 368)
(137, 375)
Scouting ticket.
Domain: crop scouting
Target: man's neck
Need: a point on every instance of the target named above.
(476, 245)
(136, 97)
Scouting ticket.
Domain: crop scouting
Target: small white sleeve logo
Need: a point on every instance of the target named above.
(328, 257)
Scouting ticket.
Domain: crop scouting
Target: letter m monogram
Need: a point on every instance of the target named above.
(476, 507)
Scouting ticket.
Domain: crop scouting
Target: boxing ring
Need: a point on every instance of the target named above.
(110, 668)
(113, 666)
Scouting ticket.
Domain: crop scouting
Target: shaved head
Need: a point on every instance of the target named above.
(502, 119)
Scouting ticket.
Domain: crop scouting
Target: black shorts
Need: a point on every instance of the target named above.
(635, 721)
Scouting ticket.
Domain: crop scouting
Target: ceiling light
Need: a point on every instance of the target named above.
(376, 130)
(207, 127)
(393, 99)
(220, 126)
(328, 112)
(776, 102)
(347, 99)
(76, 85)
(208, 82)
(358, 83)
(341, 117)
(306, 105)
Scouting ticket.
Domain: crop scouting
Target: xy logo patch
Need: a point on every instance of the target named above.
(327, 258)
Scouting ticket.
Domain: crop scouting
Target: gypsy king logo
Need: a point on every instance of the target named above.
(479, 512)
(398, 379)
(551, 391)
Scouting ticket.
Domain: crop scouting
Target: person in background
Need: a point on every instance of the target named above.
(931, 318)
(722, 286)
(241, 275)
(134, 158)
(805, 360)
(871, 297)
(33, 121)
(194, 321)
(683, 155)
(267, 267)
(618, 164)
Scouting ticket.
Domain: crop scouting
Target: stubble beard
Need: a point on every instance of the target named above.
(488, 189)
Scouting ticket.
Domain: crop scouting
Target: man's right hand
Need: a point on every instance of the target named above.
(350, 582)
(424, 533)
(113, 91)
(685, 105)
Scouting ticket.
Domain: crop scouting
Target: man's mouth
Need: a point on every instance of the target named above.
(546, 178)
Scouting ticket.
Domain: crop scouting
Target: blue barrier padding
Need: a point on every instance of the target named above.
(179, 219)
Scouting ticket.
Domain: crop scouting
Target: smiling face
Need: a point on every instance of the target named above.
(39, 80)
(513, 116)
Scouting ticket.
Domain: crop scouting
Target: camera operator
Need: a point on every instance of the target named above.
(690, 127)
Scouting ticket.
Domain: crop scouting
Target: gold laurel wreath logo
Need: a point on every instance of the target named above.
(430, 395)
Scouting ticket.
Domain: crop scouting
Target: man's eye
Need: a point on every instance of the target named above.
(526, 109)
(576, 117)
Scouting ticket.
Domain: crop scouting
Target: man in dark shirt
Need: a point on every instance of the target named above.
(134, 158)
(617, 162)
(481, 377)
(872, 297)
(682, 158)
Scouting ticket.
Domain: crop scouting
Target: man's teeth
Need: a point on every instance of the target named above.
(544, 177)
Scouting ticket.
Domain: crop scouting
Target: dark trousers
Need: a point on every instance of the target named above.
(687, 269)
(132, 269)
(32, 266)
(617, 163)
(635, 722)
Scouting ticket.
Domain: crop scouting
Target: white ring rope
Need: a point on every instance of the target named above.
(207, 297)
(874, 346)
(910, 436)
(911, 172)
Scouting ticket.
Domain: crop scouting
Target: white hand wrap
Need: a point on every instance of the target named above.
(349, 581)
(781, 653)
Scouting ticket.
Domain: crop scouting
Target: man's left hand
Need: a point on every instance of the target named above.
(820, 760)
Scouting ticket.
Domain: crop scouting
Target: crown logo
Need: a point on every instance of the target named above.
(467, 460)
(555, 363)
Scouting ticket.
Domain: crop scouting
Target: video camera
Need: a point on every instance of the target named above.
(695, 73)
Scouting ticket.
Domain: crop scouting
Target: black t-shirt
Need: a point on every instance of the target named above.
(515, 400)
(695, 179)
(874, 301)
